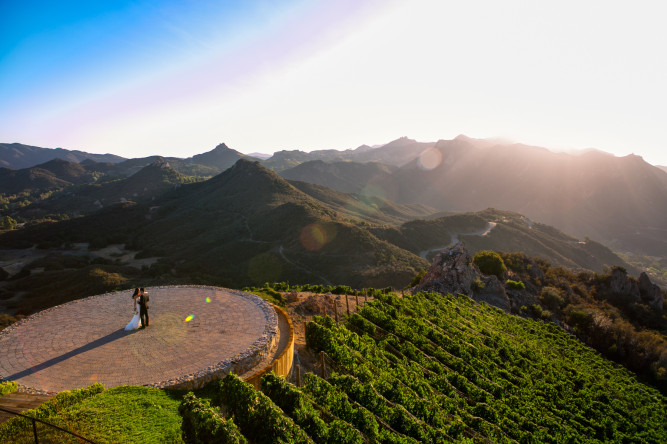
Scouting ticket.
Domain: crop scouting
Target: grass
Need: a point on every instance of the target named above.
(120, 414)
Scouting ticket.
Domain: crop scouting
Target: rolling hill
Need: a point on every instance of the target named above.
(348, 177)
(144, 186)
(395, 153)
(18, 156)
(52, 175)
(246, 225)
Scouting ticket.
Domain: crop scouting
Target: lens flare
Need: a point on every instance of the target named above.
(208, 300)
(189, 318)
(429, 159)
(313, 237)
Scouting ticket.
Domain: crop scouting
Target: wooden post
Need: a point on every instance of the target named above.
(336, 310)
(365, 297)
(356, 299)
(347, 302)
(298, 375)
(34, 430)
(322, 364)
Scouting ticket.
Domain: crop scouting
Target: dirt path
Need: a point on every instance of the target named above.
(455, 238)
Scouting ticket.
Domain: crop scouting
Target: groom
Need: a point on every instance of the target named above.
(143, 307)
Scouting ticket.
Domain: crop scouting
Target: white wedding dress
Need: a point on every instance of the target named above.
(134, 323)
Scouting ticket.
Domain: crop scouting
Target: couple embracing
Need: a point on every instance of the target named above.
(140, 298)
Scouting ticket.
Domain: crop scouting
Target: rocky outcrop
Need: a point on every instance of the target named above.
(453, 272)
(492, 291)
(650, 293)
(642, 291)
(621, 284)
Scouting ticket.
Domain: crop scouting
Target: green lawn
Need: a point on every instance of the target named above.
(118, 415)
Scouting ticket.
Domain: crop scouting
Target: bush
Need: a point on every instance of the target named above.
(417, 278)
(515, 285)
(203, 423)
(538, 312)
(7, 387)
(490, 262)
(551, 298)
(342, 289)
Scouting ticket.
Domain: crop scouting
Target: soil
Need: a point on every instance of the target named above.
(301, 308)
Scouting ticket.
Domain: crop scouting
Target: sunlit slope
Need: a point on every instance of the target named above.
(436, 367)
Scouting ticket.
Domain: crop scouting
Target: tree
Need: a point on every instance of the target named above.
(490, 262)
(8, 223)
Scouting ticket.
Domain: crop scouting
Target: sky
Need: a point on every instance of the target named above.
(176, 78)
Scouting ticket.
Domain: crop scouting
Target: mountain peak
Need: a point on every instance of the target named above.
(221, 157)
(400, 141)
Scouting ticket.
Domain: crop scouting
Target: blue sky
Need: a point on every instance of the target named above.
(178, 77)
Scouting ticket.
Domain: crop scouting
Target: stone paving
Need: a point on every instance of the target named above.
(194, 331)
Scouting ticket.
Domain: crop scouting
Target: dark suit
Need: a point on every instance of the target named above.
(143, 309)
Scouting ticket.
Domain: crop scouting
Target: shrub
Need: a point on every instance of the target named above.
(537, 311)
(342, 289)
(7, 387)
(551, 298)
(490, 262)
(515, 285)
(203, 423)
(417, 278)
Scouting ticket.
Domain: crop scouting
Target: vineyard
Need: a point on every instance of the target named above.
(433, 368)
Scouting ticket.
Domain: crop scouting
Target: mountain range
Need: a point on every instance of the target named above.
(397, 196)
(248, 225)
(620, 201)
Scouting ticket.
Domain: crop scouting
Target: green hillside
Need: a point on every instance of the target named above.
(71, 201)
(364, 208)
(242, 227)
(498, 230)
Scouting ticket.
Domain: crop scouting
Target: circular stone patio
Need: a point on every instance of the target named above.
(195, 334)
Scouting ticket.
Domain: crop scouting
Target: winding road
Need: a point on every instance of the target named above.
(455, 238)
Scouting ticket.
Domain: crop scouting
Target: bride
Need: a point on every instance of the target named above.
(134, 322)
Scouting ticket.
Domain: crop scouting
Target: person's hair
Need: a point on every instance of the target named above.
(142, 289)
(136, 292)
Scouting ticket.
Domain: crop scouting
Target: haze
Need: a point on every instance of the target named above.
(177, 78)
